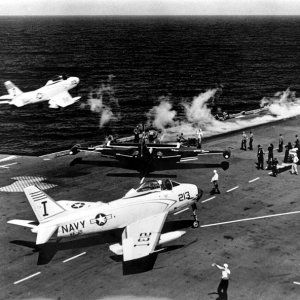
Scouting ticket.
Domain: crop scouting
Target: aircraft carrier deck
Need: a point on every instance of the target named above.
(261, 246)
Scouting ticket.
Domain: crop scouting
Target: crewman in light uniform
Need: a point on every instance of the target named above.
(215, 181)
(199, 138)
(223, 286)
(294, 169)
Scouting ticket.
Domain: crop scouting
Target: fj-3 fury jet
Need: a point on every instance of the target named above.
(141, 213)
(55, 92)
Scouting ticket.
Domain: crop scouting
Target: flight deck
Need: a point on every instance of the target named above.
(252, 225)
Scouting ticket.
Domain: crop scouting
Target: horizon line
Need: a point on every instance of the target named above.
(149, 15)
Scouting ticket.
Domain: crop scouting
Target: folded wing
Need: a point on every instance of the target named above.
(140, 238)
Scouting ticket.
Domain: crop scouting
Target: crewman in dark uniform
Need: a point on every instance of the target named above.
(274, 167)
(260, 158)
(280, 145)
(136, 133)
(297, 143)
(270, 157)
(250, 141)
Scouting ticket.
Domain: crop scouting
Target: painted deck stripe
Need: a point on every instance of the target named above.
(28, 277)
(296, 282)
(208, 199)
(73, 257)
(250, 219)
(8, 158)
(236, 187)
(254, 179)
(6, 166)
(181, 211)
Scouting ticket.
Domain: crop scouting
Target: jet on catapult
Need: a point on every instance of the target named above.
(55, 92)
(141, 213)
(146, 157)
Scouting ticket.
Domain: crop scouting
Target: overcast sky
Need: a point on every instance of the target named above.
(149, 7)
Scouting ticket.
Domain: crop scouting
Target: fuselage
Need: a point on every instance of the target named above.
(122, 212)
(46, 92)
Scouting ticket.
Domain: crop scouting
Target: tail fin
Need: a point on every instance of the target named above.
(43, 206)
(12, 89)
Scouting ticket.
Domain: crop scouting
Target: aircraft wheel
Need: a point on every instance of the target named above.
(195, 224)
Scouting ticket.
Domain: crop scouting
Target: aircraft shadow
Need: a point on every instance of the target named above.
(158, 167)
(48, 250)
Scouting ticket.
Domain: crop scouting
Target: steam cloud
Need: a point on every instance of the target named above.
(102, 101)
(162, 115)
(197, 114)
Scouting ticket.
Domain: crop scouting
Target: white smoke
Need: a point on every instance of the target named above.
(162, 115)
(197, 112)
(198, 115)
(101, 100)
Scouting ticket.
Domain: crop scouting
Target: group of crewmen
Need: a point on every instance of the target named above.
(148, 135)
(272, 162)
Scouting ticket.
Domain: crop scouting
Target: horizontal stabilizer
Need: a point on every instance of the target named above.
(44, 234)
(24, 223)
(5, 99)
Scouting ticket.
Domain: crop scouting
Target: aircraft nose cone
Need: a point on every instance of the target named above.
(74, 80)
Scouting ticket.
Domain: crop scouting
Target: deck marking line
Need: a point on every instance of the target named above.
(208, 199)
(73, 257)
(296, 282)
(28, 277)
(254, 179)
(8, 158)
(254, 218)
(6, 166)
(236, 187)
(181, 211)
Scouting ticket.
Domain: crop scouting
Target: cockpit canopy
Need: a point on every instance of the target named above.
(56, 78)
(152, 186)
(165, 184)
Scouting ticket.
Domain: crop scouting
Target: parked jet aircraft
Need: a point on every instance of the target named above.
(147, 158)
(55, 92)
(141, 212)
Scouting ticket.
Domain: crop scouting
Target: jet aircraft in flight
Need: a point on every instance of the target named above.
(55, 92)
(141, 213)
(146, 157)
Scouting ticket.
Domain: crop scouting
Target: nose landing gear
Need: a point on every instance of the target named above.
(196, 222)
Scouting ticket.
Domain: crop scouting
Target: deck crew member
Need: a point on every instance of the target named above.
(215, 182)
(270, 156)
(294, 169)
(297, 143)
(251, 141)
(223, 286)
(244, 141)
(260, 158)
(199, 138)
(274, 167)
(136, 133)
(280, 144)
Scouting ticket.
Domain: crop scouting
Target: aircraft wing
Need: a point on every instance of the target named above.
(62, 99)
(193, 153)
(140, 238)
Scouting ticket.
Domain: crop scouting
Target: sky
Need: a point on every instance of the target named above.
(149, 7)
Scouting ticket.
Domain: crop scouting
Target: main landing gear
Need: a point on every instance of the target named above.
(196, 222)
